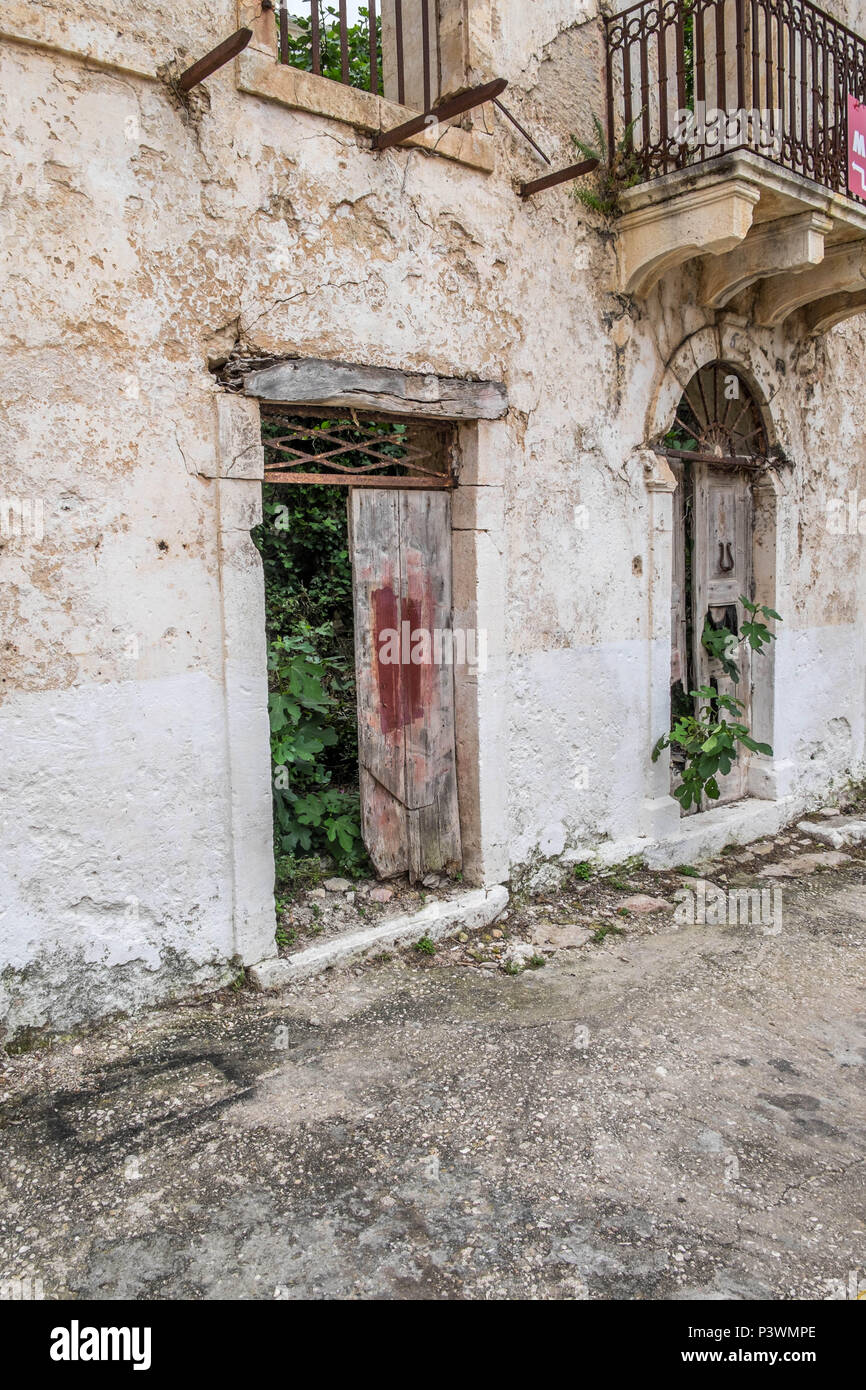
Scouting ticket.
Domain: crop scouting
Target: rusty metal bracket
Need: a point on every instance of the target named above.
(510, 116)
(573, 171)
(223, 53)
(445, 111)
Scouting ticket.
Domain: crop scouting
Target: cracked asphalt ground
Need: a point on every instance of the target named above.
(675, 1114)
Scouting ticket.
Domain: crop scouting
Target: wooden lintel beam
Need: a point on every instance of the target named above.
(384, 390)
(228, 49)
(724, 460)
(445, 111)
(573, 171)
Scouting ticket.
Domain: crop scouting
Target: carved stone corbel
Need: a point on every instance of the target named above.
(654, 238)
(791, 244)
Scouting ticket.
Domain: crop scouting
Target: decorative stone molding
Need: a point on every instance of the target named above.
(658, 236)
(727, 342)
(692, 354)
(657, 472)
(826, 313)
(790, 244)
(843, 270)
(749, 220)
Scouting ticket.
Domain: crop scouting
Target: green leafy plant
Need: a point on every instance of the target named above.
(295, 874)
(606, 930)
(722, 644)
(308, 809)
(303, 542)
(710, 744)
(710, 738)
(618, 169)
(583, 871)
(425, 947)
(330, 57)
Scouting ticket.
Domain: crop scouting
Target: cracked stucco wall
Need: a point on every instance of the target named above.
(141, 241)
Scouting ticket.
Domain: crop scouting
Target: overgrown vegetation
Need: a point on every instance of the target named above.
(617, 170)
(304, 546)
(311, 670)
(708, 741)
(300, 49)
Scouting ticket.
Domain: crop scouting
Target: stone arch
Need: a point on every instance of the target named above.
(727, 346)
(700, 349)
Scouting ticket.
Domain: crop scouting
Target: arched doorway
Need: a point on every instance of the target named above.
(718, 449)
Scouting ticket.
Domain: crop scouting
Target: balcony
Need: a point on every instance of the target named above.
(387, 67)
(740, 134)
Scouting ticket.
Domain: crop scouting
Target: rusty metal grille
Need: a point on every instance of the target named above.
(389, 47)
(355, 450)
(718, 421)
(786, 61)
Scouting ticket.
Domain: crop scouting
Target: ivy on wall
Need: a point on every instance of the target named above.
(311, 672)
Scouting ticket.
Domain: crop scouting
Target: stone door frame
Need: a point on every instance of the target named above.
(478, 588)
(769, 779)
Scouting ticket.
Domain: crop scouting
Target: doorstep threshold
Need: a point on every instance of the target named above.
(479, 907)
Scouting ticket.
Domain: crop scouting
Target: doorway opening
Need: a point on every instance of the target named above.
(718, 449)
(356, 549)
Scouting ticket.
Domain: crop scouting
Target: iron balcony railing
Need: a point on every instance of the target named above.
(389, 47)
(690, 80)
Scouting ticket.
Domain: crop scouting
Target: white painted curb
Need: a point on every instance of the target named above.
(471, 910)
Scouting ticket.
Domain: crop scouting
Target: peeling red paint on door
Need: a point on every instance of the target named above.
(402, 628)
(401, 561)
(386, 618)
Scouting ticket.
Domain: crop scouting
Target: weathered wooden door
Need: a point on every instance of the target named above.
(722, 571)
(401, 558)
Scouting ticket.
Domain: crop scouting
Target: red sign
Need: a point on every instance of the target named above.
(857, 147)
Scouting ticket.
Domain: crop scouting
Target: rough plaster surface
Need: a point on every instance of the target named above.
(120, 887)
(138, 241)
